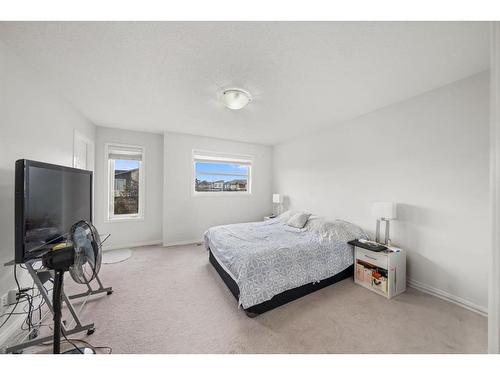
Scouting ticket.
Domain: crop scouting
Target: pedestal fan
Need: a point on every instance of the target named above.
(81, 256)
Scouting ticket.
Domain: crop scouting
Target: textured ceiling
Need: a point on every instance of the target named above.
(157, 76)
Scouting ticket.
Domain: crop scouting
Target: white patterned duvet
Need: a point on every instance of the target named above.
(267, 258)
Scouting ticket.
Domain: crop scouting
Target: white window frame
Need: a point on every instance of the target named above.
(110, 191)
(220, 158)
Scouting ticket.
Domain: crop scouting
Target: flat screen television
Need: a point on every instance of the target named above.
(49, 199)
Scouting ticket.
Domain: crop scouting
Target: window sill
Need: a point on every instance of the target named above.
(220, 194)
(124, 219)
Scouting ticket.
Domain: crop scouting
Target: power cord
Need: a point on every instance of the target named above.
(10, 314)
(21, 294)
(24, 296)
(71, 342)
(17, 302)
(94, 347)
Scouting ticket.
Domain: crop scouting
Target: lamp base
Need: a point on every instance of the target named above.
(387, 227)
(387, 240)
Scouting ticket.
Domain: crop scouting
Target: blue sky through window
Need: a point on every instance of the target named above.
(211, 171)
(126, 165)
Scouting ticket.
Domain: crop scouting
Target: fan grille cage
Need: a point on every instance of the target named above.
(88, 254)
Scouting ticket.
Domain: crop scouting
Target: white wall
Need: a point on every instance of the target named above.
(185, 216)
(429, 154)
(133, 232)
(35, 124)
(494, 280)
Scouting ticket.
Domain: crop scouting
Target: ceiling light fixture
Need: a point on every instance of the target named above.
(236, 98)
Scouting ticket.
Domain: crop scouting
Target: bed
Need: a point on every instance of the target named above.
(267, 264)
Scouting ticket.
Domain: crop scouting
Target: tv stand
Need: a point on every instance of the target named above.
(40, 276)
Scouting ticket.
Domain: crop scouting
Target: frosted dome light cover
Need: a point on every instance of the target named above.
(236, 98)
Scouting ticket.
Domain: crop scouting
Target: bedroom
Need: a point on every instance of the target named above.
(230, 166)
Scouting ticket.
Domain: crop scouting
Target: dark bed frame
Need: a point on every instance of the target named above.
(283, 297)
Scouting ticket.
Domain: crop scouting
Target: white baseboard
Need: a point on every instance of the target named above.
(447, 297)
(129, 245)
(179, 243)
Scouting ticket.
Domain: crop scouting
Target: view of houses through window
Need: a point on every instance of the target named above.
(126, 178)
(214, 176)
(126, 187)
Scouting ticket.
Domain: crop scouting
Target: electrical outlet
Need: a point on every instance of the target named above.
(12, 296)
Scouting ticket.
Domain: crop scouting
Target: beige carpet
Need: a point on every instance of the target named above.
(171, 300)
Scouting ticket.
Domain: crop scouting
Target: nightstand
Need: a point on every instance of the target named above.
(266, 218)
(382, 272)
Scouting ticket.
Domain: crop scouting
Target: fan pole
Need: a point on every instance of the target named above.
(56, 301)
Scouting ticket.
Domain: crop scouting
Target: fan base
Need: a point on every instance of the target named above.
(80, 350)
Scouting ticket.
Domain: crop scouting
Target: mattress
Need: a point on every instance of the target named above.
(283, 297)
(267, 258)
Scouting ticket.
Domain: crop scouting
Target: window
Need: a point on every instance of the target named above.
(221, 173)
(126, 181)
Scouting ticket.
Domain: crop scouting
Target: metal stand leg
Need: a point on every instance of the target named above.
(79, 327)
(90, 291)
(39, 285)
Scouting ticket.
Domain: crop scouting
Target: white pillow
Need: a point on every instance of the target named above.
(298, 220)
(315, 223)
(342, 230)
(285, 216)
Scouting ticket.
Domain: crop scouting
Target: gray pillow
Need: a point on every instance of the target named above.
(298, 220)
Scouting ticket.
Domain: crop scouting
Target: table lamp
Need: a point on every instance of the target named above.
(384, 211)
(277, 203)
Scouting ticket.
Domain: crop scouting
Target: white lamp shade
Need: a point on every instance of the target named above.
(384, 210)
(276, 198)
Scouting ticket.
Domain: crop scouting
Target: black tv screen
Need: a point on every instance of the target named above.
(49, 200)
